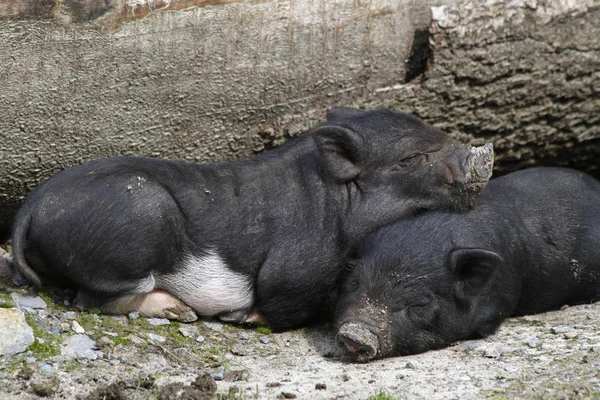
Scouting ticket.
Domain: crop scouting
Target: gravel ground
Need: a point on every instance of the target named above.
(78, 354)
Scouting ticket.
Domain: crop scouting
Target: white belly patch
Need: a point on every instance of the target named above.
(208, 286)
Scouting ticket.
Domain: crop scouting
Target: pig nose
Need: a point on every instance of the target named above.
(481, 163)
(359, 341)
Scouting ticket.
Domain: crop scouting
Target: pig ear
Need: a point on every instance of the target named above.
(474, 268)
(340, 150)
(342, 113)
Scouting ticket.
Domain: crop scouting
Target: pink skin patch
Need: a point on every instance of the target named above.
(156, 304)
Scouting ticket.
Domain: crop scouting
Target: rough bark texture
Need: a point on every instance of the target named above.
(208, 80)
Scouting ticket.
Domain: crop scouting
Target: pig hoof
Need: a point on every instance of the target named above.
(234, 317)
(359, 341)
(181, 314)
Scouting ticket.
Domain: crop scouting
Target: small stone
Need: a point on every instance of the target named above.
(286, 395)
(494, 352)
(321, 386)
(228, 356)
(47, 368)
(264, 340)
(133, 315)
(534, 342)
(239, 350)
(23, 301)
(218, 376)
(79, 347)
(200, 339)
(156, 338)
(410, 366)
(400, 376)
(115, 362)
(215, 326)
(30, 360)
(77, 328)
(15, 334)
(570, 335)
(158, 321)
(69, 315)
(236, 375)
(561, 329)
(188, 330)
(243, 336)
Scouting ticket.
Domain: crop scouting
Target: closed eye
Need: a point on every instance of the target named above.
(413, 160)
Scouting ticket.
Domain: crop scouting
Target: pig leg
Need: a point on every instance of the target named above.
(155, 304)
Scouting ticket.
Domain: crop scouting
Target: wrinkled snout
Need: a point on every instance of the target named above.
(359, 342)
(480, 165)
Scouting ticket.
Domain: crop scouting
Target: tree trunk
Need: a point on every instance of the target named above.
(209, 80)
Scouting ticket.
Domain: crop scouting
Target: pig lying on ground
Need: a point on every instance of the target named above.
(532, 244)
(261, 240)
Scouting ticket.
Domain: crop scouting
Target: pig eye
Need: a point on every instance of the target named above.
(423, 312)
(413, 160)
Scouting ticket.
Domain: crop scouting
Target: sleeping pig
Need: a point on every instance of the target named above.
(259, 240)
(532, 244)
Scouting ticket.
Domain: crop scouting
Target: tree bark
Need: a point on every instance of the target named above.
(215, 80)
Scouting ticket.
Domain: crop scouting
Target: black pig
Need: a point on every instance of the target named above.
(259, 240)
(532, 244)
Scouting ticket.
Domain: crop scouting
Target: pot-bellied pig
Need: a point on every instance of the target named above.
(532, 244)
(260, 240)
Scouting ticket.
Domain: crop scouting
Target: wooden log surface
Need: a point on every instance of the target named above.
(217, 80)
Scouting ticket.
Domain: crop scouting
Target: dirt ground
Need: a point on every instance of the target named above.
(548, 356)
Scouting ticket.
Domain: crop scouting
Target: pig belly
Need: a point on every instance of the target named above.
(208, 286)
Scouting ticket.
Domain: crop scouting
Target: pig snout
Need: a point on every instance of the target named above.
(359, 342)
(480, 165)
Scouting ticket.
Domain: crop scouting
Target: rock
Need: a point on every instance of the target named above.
(561, 329)
(23, 301)
(69, 315)
(219, 375)
(239, 350)
(156, 338)
(79, 347)
(30, 360)
(236, 375)
(493, 352)
(264, 340)
(47, 368)
(77, 328)
(188, 330)
(200, 339)
(133, 315)
(534, 342)
(158, 321)
(410, 366)
(321, 386)
(570, 335)
(243, 336)
(215, 326)
(15, 334)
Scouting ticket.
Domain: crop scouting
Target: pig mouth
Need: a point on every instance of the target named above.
(359, 341)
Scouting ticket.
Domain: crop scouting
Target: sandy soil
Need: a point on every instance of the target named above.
(552, 355)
